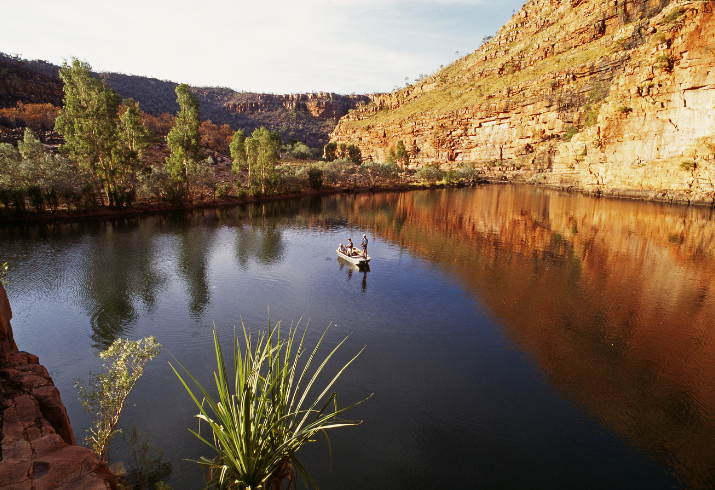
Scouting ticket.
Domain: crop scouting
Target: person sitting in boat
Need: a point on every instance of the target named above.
(349, 252)
(364, 245)
(342, 249)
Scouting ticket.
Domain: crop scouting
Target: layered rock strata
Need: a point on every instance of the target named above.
(608, 97)
(37, 446)
(321, 105)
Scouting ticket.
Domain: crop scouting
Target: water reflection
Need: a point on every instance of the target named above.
(351, 268)
(194, 245)
(612, 300)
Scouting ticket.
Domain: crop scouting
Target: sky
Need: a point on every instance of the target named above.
(270, 46)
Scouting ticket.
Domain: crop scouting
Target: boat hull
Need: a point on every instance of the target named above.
(354, 259)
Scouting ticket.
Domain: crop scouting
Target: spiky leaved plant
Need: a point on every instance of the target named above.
(259, 421)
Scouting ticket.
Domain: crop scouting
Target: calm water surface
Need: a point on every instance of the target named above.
(515, 337)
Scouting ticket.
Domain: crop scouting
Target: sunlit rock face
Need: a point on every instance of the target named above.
(38, 446)
(609, 97)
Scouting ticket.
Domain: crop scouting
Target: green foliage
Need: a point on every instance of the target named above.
(337, 172)
(106, 393)
(391, 156)
(688, 165)
(263, 416)
(354, 154)
(673, 16)
(429, 174)
(88, 122)
(468, 172)
(184, 140)
(223, 189)
(154, 183)
(571, 131)
(665, 62)
(451, 177)
(133, 139)
(263, 151)
(174, 193)
(300, 151)
(401, 155)
(30, 172)
(330, 151)
(625, 110)
(3, 273)
(315, 178)
(591, 115)
(238, 152)
(378, 172)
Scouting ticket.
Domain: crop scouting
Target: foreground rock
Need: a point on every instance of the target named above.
(37, 446)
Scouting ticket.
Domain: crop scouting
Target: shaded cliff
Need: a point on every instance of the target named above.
(37, 446)
(609, 97)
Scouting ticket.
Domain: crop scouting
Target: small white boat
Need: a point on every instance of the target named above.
(356, 258)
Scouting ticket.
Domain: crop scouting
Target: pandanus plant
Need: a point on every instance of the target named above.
(267, 411)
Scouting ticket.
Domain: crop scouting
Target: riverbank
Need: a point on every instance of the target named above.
(155, 208)
(488, 176)
(37, 446)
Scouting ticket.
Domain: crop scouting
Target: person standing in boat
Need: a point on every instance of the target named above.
(350, 247)
(363, 244)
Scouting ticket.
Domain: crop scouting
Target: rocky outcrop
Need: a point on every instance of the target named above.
(320, 105)
(37, 446)
(608, 97)
(20, 82)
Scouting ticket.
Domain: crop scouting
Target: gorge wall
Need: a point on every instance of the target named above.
(614, 97)
(37, 446)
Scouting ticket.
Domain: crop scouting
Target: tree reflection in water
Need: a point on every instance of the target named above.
(119, 274)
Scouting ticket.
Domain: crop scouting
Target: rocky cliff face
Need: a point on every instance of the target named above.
(37, 446)
(321, 105)
(605, 96)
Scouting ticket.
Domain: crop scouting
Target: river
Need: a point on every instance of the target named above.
(515, 337)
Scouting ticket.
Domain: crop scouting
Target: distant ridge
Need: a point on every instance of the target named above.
(302, 117)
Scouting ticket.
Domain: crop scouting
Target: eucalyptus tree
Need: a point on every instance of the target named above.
(88, 122)
(238, 151)
(251, 157)
(9, 166)
(330, 151)
(184, 140)
(267, 152)
(133, 135)
(354, 154)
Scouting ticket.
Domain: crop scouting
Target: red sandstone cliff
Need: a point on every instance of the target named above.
(609, 97)
(37, 446)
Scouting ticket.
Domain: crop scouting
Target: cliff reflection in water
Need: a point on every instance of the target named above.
(612, 300)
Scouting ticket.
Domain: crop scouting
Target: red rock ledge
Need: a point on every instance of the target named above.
(37, 447)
